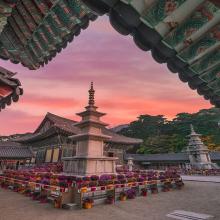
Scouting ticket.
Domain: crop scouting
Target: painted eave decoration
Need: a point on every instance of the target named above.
(185, 34)
(32, 32)
(10, 88)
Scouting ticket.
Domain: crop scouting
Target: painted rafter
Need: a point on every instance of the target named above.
(10, 88)
(37, 30)
(185, 34)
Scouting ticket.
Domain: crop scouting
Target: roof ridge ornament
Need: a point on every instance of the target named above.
(91, 95)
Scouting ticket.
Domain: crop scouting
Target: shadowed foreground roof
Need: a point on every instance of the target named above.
(10, 88)
(167, 157)
(52, 124)
(185, 34)
(11, 150)
(32, 32)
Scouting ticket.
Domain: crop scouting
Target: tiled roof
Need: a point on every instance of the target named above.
(159, 157)
(182, 33)
(116, 138)
(6, 7)
(36, 30)
(67, 125)
(12, 150)
(64, 123)
(167, 157)
(10, 88)
(9, 144)
(15, 153)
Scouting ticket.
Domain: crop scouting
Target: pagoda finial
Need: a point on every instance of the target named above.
(192, 129)
(91, 95)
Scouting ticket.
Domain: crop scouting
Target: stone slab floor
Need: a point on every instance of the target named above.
(199, 197)
(214, 179)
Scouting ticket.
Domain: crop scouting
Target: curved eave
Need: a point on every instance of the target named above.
(41, 136)
(15, 153)
(6, 10)
(185, 35)
(36, 32)
(10, 88)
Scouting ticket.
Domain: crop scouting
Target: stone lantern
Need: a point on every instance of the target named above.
(130, 164)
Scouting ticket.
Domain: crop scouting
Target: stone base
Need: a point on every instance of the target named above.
(87, 166)
(206, 166)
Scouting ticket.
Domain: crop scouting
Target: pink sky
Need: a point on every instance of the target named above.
(128, 83)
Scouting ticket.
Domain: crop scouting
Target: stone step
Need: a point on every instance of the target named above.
(70, 206)
(99, 201)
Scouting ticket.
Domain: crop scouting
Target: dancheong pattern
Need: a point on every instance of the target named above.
(206, 62)
(161, 9)
(183, 34)
(37, 29)
(200, 17)
(211, 39)
(211, 75)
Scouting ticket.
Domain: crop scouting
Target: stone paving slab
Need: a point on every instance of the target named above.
(184, 215)
(214, 179)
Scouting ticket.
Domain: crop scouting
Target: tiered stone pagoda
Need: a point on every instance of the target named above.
(198, 152)
(89, 159)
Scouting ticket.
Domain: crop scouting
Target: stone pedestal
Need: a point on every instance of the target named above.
(87, 166)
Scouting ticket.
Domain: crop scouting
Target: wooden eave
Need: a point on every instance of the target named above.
(36, 31)
(183, 34)
(10, 88)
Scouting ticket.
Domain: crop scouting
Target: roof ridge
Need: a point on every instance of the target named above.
(60, 117)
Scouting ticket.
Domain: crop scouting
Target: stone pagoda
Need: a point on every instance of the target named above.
(89, 159)
(198, 152)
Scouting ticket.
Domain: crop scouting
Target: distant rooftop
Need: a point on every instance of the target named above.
(13, 150)
(167, 157)
(53, 123)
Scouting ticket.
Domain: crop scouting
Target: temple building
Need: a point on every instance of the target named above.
(13, 155)
(50, 142)
(165, 161)
(10, 88)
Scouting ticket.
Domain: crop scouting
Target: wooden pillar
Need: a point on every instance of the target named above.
(60, 154)
(51, 158)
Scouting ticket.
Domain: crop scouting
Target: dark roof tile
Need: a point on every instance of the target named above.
(167, 157)
(68, 126)
(14, 150)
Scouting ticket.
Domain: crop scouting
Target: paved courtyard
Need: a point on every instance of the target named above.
(199, 197)
(214, 179)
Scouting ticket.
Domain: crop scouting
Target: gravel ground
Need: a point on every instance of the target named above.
(197, 197)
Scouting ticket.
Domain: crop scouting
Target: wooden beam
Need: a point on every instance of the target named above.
(5, 91)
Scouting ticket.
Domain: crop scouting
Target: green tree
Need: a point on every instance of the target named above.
(161, 136)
